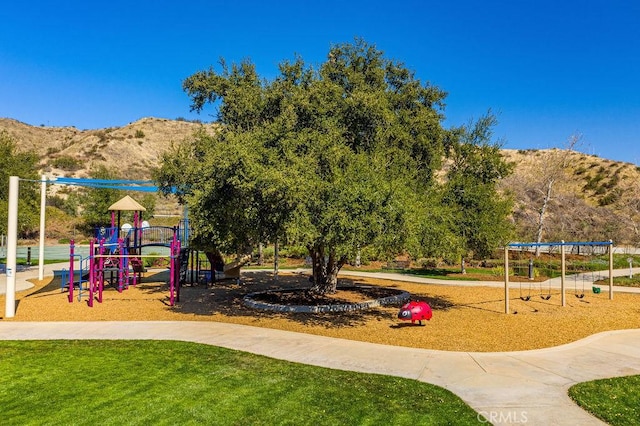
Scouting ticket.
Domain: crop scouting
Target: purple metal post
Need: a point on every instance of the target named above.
(101, 279)
(71, 273)
(92, 267)
(177, 272)
(120, 268)
(171, 280)
(125, 265)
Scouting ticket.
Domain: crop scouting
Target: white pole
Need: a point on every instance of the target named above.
(12, 243)
(506, 279)
(563, 270)
(43, 207)
(610, 269)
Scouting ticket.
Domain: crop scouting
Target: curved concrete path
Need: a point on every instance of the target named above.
(511, 387)
(506, 388)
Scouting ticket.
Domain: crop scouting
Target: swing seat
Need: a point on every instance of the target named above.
(525, 298)
(595, 289)
(580, 296)
(545, 297)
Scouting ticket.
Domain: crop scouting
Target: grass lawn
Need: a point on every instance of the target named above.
(613, 400)
(166, 382)
(625, 281)
(34, 261)
(472, 274)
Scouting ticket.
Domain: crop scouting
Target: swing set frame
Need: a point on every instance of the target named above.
(562, 245)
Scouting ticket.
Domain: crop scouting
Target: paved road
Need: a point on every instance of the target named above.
(528, 387)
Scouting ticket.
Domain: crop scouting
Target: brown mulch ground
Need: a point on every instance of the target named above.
(464, 318)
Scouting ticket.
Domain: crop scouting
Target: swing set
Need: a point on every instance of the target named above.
(584, 269)
(523, 254)
(535, 271)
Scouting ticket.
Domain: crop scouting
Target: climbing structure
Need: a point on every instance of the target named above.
(116, 255)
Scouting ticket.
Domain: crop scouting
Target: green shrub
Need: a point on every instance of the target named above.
(52, 150)
(499, 271)
(267, 253)
(600, 190)
(298, 252)
(139, 134)
(428, 263)
(66, 162)
(610, 198)
(150, 261)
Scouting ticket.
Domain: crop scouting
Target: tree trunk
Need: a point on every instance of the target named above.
(276, 259)
(260, 254)
(543, 209)
(325, 269)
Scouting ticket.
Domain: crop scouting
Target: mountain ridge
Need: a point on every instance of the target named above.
(591, 197)
(70, 152)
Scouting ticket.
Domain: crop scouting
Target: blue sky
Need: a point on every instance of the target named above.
(547, 69)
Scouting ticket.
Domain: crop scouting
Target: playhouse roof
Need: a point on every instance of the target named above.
(127, 203)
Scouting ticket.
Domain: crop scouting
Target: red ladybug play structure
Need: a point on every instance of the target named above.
(415, 311)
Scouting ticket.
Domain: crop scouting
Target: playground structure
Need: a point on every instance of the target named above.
(581, 271)
(116, 254)
(12, 233)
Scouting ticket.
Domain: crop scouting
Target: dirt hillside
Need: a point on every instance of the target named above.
(132, 150)
(592, 198)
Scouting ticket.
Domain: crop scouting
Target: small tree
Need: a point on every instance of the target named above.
(477, 166)
(23, 165)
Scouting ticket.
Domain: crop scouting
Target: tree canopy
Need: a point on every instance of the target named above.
(345, 156)
(23, 165)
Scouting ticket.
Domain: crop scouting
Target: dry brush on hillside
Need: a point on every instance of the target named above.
(592, 198)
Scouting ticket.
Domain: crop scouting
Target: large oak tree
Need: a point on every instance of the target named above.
(341, 157)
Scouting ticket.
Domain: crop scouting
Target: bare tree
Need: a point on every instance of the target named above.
(552, 170)
(632, 212)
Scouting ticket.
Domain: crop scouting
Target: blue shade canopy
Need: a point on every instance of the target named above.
(129, 185)
(126, 185)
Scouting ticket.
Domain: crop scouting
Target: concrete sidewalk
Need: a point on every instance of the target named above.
(30, 273)
(554, 283)
(506, 388)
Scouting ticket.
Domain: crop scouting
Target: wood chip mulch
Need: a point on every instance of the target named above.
(464, 318)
